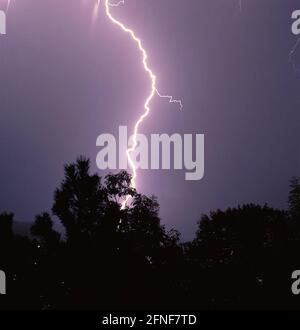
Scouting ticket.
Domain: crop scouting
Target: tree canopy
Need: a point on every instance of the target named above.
(114, 257)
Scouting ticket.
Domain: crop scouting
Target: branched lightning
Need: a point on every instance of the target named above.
(152, 77)
(154, 91)
(121, 2)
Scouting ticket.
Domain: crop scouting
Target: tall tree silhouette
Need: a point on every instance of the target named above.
(80, 201)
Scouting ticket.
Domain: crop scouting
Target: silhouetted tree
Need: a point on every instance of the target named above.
(239, 250)
(43, 229)
(118, 187)
(6, 227)
(121, 256)
(80, 201)
(143, 225)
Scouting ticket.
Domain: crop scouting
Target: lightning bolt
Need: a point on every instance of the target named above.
(8, 5)
(154, 91)
(152, 77)
(291, 56)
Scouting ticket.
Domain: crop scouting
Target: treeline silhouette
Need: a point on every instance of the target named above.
(114, 258)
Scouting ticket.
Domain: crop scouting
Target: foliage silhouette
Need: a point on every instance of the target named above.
(43, 229)
(294, 198)
(114, 257)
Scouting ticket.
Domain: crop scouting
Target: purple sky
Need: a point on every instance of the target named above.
(64, 81)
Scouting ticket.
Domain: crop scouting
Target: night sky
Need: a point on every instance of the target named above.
(65, 79)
